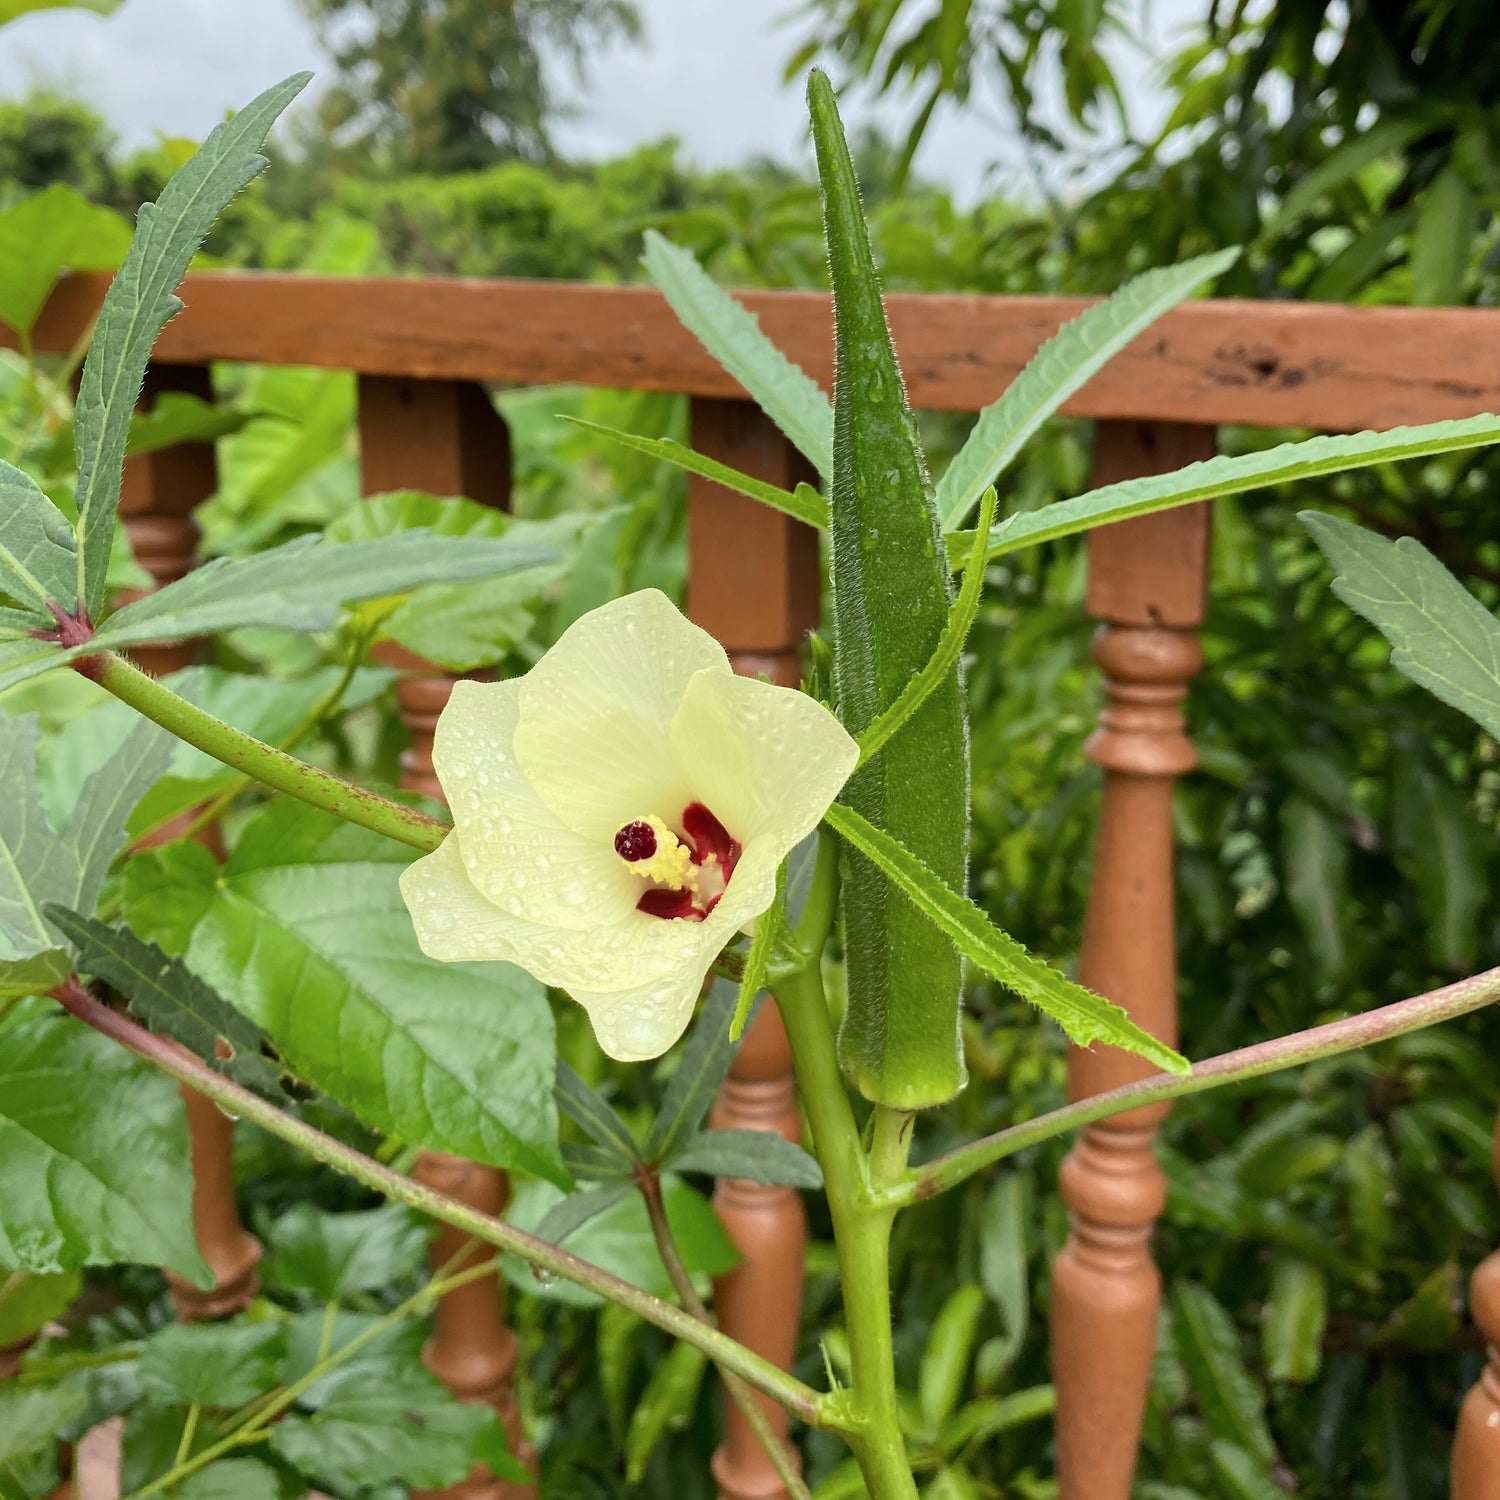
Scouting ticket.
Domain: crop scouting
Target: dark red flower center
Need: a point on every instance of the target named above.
(694, 870)
(635, 841)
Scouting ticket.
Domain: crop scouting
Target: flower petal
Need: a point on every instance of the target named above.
(766, 760)
(517, 852)
(593, 735)
(639, 1024)
(455, 923)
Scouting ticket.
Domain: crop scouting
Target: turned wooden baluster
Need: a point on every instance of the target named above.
(753, 582)
(1476, 1452)
(445, 437)
(1147, 582)
(157, 496)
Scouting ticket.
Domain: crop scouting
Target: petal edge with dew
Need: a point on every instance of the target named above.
(619, 815)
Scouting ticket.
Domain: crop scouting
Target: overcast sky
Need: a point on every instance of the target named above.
(708, 71)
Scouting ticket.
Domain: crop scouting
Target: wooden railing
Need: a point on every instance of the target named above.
(420, 346)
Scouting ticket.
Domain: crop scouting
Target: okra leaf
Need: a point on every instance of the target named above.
(731, 333)
(802, 504)
(139, 303)
(1063, 365)
(1441, 636)
(169, 999)
(1229, 475)
(302, 584)
(1085, 1016)
(39, 864)
(701, 1069)
(94, 1166)
(754, 1155)
(38, 557)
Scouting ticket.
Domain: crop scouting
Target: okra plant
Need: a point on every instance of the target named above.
(632, 823)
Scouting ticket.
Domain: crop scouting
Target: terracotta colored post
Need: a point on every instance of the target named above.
(1476, 1453)
(157, 496)
(753, 581)
(1147, 581)
(446, 437)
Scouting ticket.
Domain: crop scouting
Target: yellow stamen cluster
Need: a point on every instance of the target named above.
(671, 866)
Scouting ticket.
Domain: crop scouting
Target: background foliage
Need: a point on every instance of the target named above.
(1337, 844)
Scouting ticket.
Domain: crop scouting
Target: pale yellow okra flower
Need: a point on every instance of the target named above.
(619, 814)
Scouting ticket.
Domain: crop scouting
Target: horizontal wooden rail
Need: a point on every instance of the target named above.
(1263, 364)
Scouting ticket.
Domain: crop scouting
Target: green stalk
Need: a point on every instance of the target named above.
(776, 1450)
(1337, 1037)
(861, 1230)
(799, 1399)
(274, 768)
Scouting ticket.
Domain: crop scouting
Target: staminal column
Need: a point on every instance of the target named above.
(754, 583)
(1147, 583)
(1476, 1450)
(446, 437)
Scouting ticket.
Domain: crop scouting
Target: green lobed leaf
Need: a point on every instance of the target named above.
(137, 306)
(96, 1174)
(165, 892)
(38, 864)
(899, 1041)
(52, 231)
(333, 1256)
(1085, 1016)
(181, 417)
(1062, 366)
(702, 1065)
(169, 999)
(29, 1302)
(1232, 1404)
(732, 334)
(38, 559)
(271, 709)
(750, 1155)
(463, 625)
(307, 935)
(211, 1364)
(31, 1416)
(377, 1417)
(802, 504)
(1230, 475)
(1441, 636)
(230, 1479)
(302, 584)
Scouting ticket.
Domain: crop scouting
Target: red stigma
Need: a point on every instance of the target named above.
(670, 904)
(709, 838)
(635, 841)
